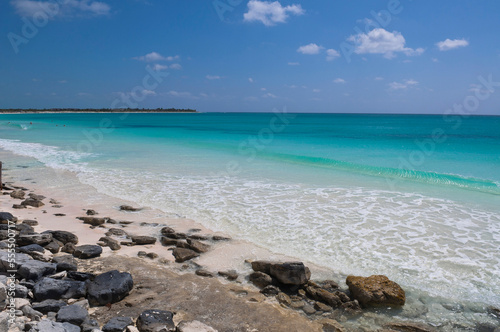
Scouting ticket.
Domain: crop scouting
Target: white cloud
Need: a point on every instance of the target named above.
(449, 44)
(250, 80)
(158, 67)
(434, 60)
(213, 77)
(62, 81)
(316, 90)
(148, 92)
(339, 80)
(378, 78)
(310, 49)
(175, 66)
(293, 64)
(62, 8)
(402, 85)
(381, 41)
(269, 95)
(155, 56)
(270, 13)
(331, 54)
(181, 94)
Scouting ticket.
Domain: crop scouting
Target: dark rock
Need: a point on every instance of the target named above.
(53, 247)
(165, 241)
(67, 265)
(116, 232)
(73, 314)
(109, 287)
(30, 222)
(129, 208)
(124, 222)
(198, 246)
(198, 237)
(21, 291)
(229, 275)
(64, 236)
(351, 308)
(49, 288)
(110, 242)
(40, 239)
(93, 221)
(260, 279)
(32, 202)
(319, 306)
(270, 290)
(31, 247)
(34, 270)
(25, 229)
(91, 213)
(156, 320)
(324, 296)
(152, 255)
(18, 194)
(182, 255)
(292, 273)
(220, 238)
(167, 230)
(204, 273)
(376, 290)
(80, 276)
(49, 305)
(117, 324)
(331, 325)
(59, 214)
(262, 266)
(27, 284)
(141, 254)
(46, 325)
(69, 248)
(142, 240)
(89, 325)
(177, 236)
(18, 206)
(87, 251)
(36, 197)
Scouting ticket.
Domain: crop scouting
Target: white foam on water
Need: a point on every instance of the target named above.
(430, 244)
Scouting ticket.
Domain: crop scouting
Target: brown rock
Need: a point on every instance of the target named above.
(283, 299)
(116, 232)
(324, 296)
(220, 238)
(290, 273)
(309, 309)
(229, 275)
(262, 266)
(260, 279)
(69, 248)
(376, 290)
(111, 243)
(167, 230)
(351, 308)
(410, 327)
(18, 206)
(93, 220)
(182, 255)
(18, 194)
(129, 208)
(297, 304)
(32, 202)
(165, 241)
(204, 273)
(330, 325)
(143, 240)
(198, 237)
(177, 236)
(198, 246)
(152, 255)
(322, 307)
(91, 212)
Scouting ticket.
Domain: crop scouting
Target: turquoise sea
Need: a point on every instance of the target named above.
(414, 197)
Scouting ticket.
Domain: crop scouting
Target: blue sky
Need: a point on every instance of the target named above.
(230, 55)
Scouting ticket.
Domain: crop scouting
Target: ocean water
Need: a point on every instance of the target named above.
(416, 198)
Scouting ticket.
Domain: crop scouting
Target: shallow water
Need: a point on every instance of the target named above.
(359, 194)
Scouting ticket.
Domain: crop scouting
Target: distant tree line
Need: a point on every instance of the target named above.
(97, 110)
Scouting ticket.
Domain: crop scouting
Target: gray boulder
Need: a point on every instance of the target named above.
(40, 239)
(49, 288)
(63, 236)
(156, 320)
(87, 251)
(65, 263)
(31, 247)
(109, 287)
(50, 326)
(117, 324)
(73, 314)
(34, 270)
(5, 217)
(292, 273)
(90, 325)
(49, 306)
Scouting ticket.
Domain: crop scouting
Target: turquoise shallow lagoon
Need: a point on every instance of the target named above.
(416, 198)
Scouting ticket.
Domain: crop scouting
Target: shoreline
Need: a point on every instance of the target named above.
(223, 256)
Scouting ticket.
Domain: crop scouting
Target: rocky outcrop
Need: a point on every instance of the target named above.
(87, 251)
(181, 254)
(293, 273)
(109, 287)
(156, 320)
(376, 290)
